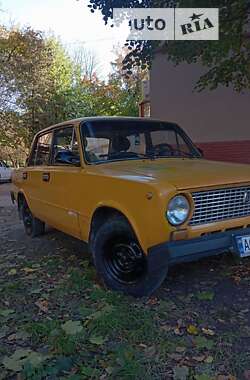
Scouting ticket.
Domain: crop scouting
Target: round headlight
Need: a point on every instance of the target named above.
(178, 210)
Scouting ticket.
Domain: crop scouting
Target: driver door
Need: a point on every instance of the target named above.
(64, 189)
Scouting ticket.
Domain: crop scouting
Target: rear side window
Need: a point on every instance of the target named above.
(41, 152)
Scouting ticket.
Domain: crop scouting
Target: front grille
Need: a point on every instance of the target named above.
(221, 204)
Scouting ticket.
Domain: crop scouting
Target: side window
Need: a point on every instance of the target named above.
(41, 151)
(65, 147)
(96, 149)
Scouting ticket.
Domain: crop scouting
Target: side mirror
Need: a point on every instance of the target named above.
(67, 157)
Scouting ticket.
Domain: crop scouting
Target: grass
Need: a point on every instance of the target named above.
(112, 336)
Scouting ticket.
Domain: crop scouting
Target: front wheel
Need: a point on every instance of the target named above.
(121, 262)
(33, 226)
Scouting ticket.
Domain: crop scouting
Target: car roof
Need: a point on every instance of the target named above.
(100, 118)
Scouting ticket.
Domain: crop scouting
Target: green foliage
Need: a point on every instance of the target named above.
(40, 85)
(227, 60)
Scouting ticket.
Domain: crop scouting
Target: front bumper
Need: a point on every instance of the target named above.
(181, 251)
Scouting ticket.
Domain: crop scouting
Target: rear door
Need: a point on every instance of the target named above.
(34, 177)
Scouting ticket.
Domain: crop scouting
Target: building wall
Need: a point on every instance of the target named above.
(218, 121)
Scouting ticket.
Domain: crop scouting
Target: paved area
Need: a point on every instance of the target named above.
(5, 200)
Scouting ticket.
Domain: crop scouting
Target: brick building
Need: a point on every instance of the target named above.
(218, 121)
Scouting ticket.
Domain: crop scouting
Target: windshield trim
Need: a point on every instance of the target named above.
(194, 150)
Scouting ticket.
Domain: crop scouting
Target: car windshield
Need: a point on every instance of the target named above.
(113, 140)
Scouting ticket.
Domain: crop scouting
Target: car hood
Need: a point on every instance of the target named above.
(182, 173)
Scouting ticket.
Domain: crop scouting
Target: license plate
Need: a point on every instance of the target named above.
(243, 244)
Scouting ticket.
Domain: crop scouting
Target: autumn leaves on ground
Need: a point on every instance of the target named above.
(58, 322)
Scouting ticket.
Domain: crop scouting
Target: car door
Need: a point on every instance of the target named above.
(62, 180)
(33, 177)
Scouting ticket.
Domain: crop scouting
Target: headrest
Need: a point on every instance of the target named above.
(120, 144)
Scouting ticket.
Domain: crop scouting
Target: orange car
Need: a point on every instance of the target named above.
(139, 192)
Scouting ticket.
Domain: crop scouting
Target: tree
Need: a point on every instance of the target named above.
(85, 62)
(227, 60)
(41, 85)
(35, 73)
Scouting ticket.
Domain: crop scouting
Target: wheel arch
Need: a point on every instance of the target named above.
(103, 212)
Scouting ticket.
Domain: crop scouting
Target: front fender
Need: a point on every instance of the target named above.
(129, 216)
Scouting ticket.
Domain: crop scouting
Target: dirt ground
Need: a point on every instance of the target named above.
(58, 322)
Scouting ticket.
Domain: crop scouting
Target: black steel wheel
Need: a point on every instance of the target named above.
(121, 262)
(124, 260)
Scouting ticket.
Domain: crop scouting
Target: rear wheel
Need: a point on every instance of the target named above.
(33, 226)
(121, 262)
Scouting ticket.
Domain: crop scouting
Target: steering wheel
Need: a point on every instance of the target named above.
(164, 147)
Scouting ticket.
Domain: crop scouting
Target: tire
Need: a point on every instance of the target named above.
(33, 226)
(120, 261)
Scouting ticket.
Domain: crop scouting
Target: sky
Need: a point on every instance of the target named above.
(69, 20)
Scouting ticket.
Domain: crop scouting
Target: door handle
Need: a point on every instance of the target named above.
(46, 177)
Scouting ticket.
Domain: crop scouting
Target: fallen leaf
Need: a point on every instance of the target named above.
(180, 349)
(98, 340)
(12, 337)
(177, 331)
(209, 360)
(72, 327)
(152, 301)
(12, 272)
(176, 357)
(16, 361)
(199, 358)
(42, 305)
(29, 270)
(208, 332)
(166, 328)
(192, 330)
